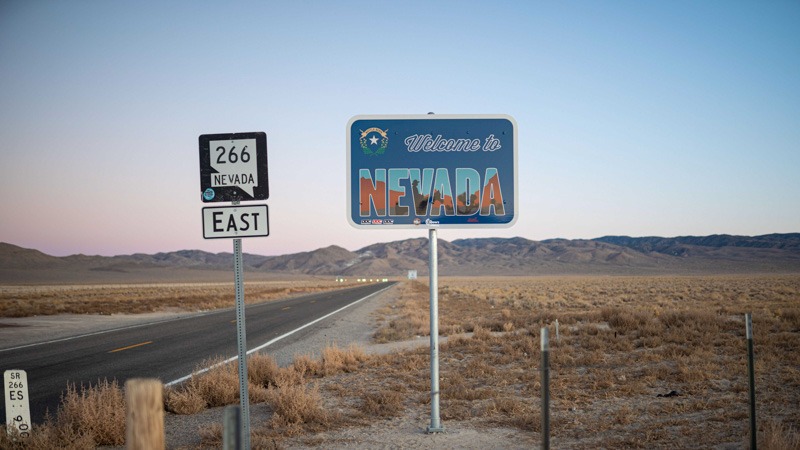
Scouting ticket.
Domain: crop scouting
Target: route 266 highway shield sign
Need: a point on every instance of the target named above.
(432, 171)
(233, 167)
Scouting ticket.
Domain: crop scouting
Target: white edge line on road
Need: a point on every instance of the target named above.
(267, 344)
(128, 327)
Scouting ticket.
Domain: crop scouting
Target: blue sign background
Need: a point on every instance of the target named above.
(432, 171)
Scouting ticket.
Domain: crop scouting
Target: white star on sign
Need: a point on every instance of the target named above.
(373, 140)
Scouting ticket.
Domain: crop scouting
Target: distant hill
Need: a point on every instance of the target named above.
(669, 245)
(13, 257)
(327, 261)
(610, 255)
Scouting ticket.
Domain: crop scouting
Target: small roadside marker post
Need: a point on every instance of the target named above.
(18, 410)
(233, 168)
(558, 339)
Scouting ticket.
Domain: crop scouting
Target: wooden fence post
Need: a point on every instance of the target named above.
(145, 414)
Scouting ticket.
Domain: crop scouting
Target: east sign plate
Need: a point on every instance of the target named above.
(236, 221)
(233, 167)
(432, 171)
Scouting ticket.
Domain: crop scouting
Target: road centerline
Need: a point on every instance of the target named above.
(130, 347)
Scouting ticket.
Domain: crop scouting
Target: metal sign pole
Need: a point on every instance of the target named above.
(748, 320)
(435, 426)
(545, 338)
(241, 340)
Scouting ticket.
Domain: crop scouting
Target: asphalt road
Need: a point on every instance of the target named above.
(167, 350)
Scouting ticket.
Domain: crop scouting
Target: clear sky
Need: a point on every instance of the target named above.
(634, 118)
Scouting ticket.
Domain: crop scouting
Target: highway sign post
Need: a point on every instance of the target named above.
(233, 168)
(18, 410)
(432, 171)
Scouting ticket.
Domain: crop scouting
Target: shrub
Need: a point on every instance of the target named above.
(297, 405)
(216, 387)
(181, 401)
(336, 360)
(624, 320)
(98, 411)
(262, 370)
(382, 403)
(777, 436)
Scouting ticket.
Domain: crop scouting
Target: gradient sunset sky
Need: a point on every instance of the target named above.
(634, 118)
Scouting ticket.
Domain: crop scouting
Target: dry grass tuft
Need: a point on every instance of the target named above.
(296, 408)
(777, 436)
(98, 411)
(336, 360)
(302, 368)
(624, 320)
(383, 403)
(262, 370)
(481, 334)
(88, 417)
(217, 387)
(332, 361)
(220, 385)
(184, 401)
(47, 437)
(211, 436)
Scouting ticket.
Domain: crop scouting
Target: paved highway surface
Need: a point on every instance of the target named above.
(167, 350)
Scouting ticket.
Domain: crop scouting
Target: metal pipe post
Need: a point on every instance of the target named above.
(433, 271)
(748, 319)
(241, 340)
(545, 389)
(231, 429)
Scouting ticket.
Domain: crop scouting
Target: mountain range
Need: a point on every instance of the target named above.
(608, 255)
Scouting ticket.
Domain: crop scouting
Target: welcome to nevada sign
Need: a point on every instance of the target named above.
(447, 171)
